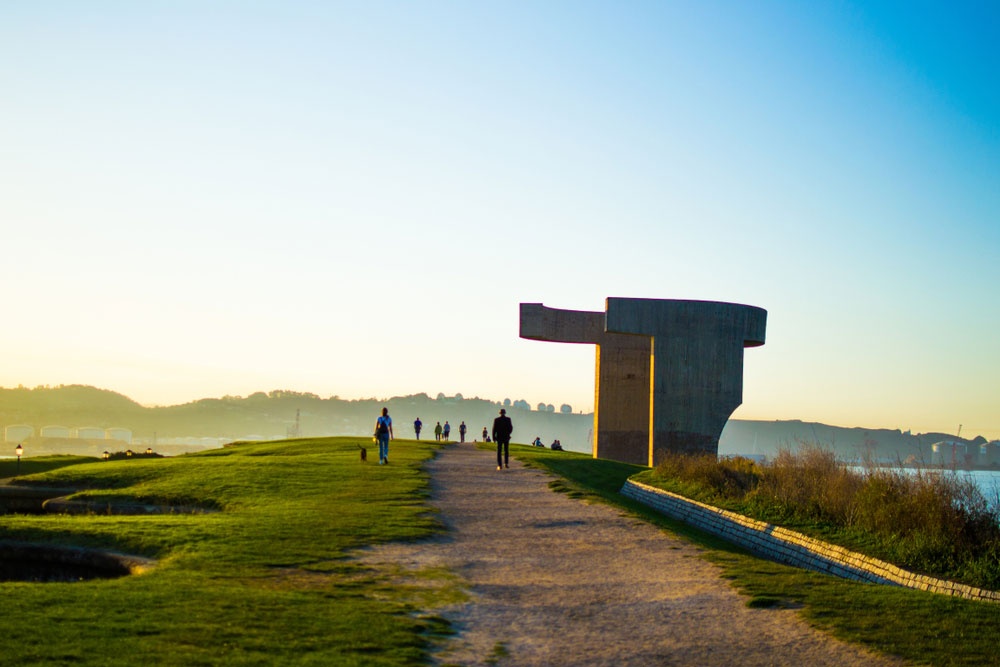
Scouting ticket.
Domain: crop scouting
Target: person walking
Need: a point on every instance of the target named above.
(447, 430)
(383, 433)
(486, 435)
(417, 425)
(437, 432)
(502, 430)
(461, 432)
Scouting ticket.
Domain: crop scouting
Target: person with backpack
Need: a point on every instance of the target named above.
(383, 433)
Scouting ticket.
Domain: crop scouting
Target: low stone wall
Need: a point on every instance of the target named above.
(64, 506)
(787, 546)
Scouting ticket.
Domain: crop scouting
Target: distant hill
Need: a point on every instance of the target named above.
(273, 415)
(849, 444)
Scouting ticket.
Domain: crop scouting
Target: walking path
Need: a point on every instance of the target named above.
(556, 581)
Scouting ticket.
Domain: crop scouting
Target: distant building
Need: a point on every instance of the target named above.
(948, 453)
(989, 454)
(18, 432)
(55, 432)
(123, 434)
(90, 433)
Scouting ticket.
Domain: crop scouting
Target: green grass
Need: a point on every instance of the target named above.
(921, 627)
(266, 579)
(263, 581)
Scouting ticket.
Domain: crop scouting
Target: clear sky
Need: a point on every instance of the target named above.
(204, 198)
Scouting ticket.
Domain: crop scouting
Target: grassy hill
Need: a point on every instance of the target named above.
(275, 415)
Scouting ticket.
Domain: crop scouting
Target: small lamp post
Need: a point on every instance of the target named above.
(128, 453)
(149, 451)
(107, 455)
(19, 450)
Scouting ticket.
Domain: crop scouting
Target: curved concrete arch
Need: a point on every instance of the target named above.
(669, 372)
(622, 375)
(697, 365)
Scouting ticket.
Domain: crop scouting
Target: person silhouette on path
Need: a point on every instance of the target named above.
(502, 430)
(461, 432)
(447, 430)
(437, 432)
(417, 425)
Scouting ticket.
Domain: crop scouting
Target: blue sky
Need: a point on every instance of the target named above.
(208, 198)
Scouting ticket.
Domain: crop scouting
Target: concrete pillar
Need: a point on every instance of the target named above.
(621, 396)
(697, 365)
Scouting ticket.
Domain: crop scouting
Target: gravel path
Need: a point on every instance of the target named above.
(556, 581)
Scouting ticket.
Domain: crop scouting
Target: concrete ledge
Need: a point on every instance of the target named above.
(27, 499)
(87, 507)
(41, 500)
(792, 548)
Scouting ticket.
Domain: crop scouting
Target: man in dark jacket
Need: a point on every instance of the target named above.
(502, 428)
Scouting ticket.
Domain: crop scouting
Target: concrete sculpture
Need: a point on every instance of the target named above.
(621, 396)
(673, 386)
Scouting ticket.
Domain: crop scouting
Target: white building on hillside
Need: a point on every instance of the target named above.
(123, 434)
(18, 432)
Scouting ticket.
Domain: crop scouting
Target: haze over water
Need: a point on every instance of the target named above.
(352, 199)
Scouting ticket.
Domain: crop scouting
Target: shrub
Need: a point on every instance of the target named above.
(809, 485)
(931, 521)
(729, 479)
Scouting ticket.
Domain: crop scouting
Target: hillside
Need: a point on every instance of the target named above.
(849, 444)
(273, 415)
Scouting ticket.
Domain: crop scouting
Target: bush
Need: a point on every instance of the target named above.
(728, 479)
(930, 521)
(809, 485)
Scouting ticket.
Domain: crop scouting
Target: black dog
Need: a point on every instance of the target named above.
(364, 454)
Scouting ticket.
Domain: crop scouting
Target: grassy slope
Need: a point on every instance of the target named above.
(264, 581)
(921, 627)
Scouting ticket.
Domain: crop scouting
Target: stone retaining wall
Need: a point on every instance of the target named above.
(787, 546)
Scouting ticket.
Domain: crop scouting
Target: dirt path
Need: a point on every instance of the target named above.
(556, 581)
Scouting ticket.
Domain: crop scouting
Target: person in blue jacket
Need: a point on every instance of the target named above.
(383, 433)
